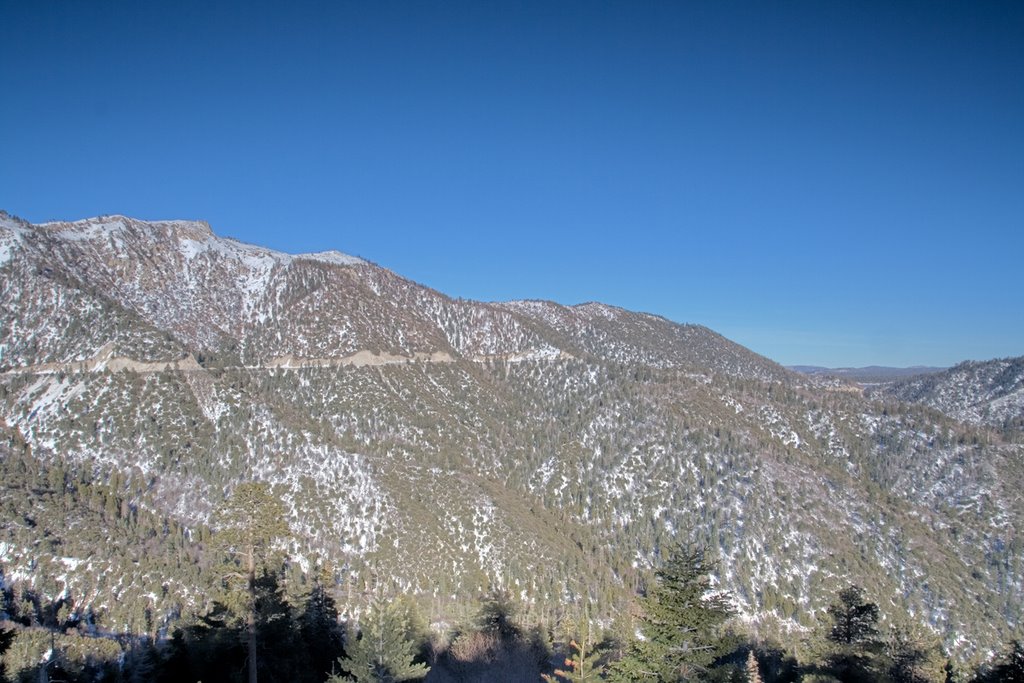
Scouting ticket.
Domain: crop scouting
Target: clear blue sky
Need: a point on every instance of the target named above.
(833, 183)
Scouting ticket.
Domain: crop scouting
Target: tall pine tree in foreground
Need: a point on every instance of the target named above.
(680, 623)
(250, 525)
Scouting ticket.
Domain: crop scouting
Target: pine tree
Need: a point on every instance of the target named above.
(680, 623)
(1010, 668)
(854, 619)
(318, 626)
(584, 662)
(382, 653)
(753, 670)
(854, 637)
(250, 524)
(498, 615)
(910, 656)
(583, 666)
(6, 638)
(283, 654)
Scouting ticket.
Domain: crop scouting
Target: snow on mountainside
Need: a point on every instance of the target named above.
(335, 257)
(986, 392)
(450, 445)
(217, 295)
(175, 274)
(12, 236)
(617, 334)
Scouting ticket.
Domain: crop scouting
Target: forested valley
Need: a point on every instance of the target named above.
(269, 618)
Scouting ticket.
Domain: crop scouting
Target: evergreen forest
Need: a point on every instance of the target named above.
(269, 618)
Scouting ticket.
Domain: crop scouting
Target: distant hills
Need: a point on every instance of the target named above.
(980, 392)
(436, 447)
(872, 374)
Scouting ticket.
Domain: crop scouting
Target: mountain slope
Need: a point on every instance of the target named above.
(984, 393)
(437, 446)
(217, 295)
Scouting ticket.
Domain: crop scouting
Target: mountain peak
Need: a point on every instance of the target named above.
(107, 226)
(334, 257)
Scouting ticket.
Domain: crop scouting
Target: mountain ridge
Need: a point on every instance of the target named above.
(444, 445)
(262, 282)
(982, 392)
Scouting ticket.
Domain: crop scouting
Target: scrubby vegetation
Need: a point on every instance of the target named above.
(268, 619)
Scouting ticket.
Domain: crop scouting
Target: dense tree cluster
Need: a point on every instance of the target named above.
(680, 624)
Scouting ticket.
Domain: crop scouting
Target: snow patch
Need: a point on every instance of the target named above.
(91, 229)
(333, 257)
(11, 237)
